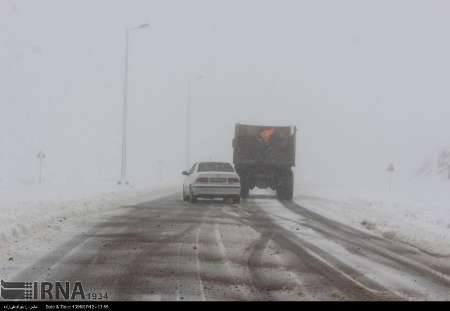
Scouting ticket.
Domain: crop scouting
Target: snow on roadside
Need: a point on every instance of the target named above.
(401, 283)
(36, 220)
(27, 210)
(418, 215)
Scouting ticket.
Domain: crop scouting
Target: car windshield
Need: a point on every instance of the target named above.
(215, 167)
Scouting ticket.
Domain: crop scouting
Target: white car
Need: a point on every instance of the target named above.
(211, 180)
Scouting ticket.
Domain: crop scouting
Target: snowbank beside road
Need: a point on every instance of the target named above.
(27, 210)
(417, 214)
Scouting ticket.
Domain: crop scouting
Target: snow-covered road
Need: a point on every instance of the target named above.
(261, 249)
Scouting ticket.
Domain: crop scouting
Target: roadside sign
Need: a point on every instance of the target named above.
(390, 168)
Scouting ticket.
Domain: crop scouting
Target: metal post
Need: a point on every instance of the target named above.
(123, 170)
(390, 181)
(188, 125)
(40, 170)
(390, 169)
(160, 170)
(41, 157)
(188, 119)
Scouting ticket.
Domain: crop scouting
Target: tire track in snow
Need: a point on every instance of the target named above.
(384, 252)
(330, 275)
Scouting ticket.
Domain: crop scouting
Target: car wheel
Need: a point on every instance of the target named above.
(192, 198)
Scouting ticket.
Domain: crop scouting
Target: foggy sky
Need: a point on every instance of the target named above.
(365, 82)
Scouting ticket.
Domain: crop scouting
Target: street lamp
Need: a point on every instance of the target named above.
(188, 118)
(123, 171)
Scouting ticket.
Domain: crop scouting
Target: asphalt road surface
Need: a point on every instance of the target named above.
(260, 249)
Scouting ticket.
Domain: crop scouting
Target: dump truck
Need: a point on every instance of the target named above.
(263, 157)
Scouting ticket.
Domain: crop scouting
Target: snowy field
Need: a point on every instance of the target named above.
(28, 209)
(35, 219)
(416, 212)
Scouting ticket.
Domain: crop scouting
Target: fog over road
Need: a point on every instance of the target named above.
(260, 249)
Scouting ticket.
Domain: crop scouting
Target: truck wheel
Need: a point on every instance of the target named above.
(285, 188)
(289, 190)
(236, 200)
(244, 191)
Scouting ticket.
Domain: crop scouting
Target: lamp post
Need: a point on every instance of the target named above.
(123, 171)
(160, 170)
(40, 156)
(188, 118)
